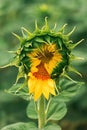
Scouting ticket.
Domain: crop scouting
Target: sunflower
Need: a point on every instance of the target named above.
(44, 57)
(43, 60)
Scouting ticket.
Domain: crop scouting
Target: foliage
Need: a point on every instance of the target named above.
(14, 15)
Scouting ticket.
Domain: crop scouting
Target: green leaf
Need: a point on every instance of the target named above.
(52, 127)
(69, 90)
(31, 111)
(56, 110)
(21, 126)
(20, 90)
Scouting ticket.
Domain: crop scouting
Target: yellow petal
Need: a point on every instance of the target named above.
(35, 61)
(52, 90)
(31, 85)
(51, 85)
(34, 69)
(51, 82)
(45, 90)
(38, 90)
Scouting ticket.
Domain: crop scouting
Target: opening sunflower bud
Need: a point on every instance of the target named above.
(44, 56)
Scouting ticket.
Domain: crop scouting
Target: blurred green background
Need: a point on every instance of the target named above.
(15, 14)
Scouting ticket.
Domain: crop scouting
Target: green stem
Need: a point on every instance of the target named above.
(41, 112)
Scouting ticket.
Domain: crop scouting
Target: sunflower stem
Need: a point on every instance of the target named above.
(41, 112)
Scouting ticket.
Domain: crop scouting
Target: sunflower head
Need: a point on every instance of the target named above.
(43, 57)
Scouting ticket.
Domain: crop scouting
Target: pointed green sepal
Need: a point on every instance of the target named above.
(63, 27)
(21, 87)
(24, 29)
(46, 26)
(77, 43)
(12, 52)
(71, 31)
(72, 46)
(68, 77)
(60, 43)
(23, 34)
(37, 39)
(72, 69)
(72, 57)
(37, 30)
(5, 66)
(46, 22)
(17, 36)
(21, 74)
(54, 27)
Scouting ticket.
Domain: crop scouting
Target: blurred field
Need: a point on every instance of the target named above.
(15, 14)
